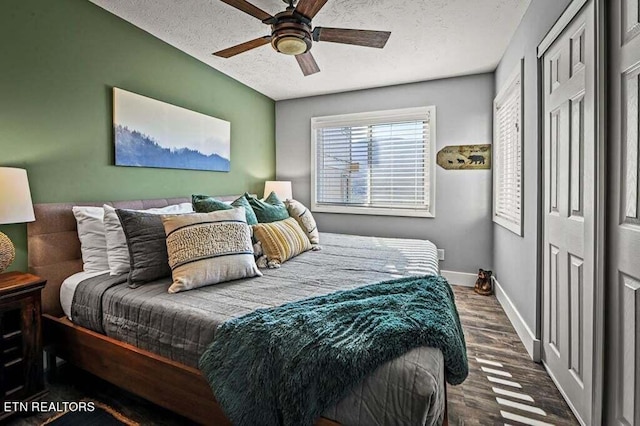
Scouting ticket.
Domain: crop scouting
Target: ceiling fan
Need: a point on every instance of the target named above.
(292, 34)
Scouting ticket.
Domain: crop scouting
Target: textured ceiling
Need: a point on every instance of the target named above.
(430, 39)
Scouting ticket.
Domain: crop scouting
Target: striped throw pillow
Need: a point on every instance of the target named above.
(209, 248)
(305, 219)
(281, 240)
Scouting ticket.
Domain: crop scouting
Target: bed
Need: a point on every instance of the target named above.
(148, 341)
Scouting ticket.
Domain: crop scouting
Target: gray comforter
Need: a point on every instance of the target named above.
(406, 391)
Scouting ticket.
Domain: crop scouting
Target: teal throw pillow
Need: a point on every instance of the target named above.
(269, 210)
(207, 204)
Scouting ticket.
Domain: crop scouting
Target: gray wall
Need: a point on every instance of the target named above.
(462, 225)
(515, 257)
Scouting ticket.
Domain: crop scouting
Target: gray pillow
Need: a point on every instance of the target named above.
(147, 245)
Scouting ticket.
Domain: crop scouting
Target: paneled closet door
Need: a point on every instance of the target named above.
(569, 214)
(623, 276)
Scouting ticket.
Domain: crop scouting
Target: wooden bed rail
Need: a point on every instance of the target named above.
(174, 386)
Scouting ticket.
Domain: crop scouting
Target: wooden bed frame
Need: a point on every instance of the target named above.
(54, 254)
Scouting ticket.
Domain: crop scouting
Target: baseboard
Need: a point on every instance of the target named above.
(531, 343)
(460, 278)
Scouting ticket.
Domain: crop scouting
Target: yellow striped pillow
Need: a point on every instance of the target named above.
(281, 240)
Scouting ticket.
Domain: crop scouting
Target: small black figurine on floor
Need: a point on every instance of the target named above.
(484, 285)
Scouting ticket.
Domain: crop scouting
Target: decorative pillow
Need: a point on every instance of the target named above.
(281, 240)
(93, 243)
(206, 204)
(269, 210)
(305, 219)
(209, 248)
(147, 247)
(117, 249)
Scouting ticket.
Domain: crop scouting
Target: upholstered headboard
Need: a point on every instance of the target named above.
(54, 247)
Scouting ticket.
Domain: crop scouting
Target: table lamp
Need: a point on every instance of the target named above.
(15, 207)
(282, 188)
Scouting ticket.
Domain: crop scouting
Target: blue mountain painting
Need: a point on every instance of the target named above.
(136, 149)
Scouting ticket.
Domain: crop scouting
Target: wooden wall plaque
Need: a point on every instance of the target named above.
(465, 157)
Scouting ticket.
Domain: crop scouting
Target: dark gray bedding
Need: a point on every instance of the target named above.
(406, 391)
(87, 303)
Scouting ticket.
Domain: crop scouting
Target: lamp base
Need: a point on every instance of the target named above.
(7, 252)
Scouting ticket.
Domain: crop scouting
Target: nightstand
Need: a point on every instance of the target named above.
(21, 376)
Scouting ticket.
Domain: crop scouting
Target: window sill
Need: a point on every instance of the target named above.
(510, 226)
(373, 211)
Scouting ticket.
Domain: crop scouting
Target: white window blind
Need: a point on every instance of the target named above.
(507, 151)
(375, 163)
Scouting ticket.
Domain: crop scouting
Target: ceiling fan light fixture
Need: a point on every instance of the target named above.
(292, 32)
(291, 45)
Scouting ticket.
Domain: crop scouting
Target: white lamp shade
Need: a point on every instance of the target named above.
(15, 196)
(282, 188)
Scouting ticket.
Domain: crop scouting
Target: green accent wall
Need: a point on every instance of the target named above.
(59, 61)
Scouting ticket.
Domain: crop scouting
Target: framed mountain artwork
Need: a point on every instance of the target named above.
(151, 133)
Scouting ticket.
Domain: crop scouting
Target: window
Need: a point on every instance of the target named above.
(379, 163)
(507, 154)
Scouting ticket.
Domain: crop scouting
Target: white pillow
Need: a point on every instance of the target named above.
(116, 242)
(209, 248)
(305, 219)
(93, 244)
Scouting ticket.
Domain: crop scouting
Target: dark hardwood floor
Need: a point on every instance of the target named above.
(490, 339)
(527, 394)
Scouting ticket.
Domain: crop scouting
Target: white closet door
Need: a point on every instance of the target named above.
(623, 276)
(569, 213)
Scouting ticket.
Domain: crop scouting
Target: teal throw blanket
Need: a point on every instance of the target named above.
(286, 365)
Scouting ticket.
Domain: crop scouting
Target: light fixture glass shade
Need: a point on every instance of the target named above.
(15, 196)
(282, 188)
(291, 45)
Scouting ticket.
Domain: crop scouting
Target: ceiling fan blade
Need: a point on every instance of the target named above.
(365, 38)
(247, 7)
(310, 8)
(307, 63)
(244, 47)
